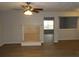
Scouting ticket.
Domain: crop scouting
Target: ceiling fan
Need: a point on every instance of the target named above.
(28, 7)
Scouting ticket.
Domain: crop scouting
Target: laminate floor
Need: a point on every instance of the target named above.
(69, 48)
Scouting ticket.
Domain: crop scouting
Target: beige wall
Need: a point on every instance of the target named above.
(12, 22)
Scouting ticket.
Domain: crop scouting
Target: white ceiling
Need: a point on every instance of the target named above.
(47, 6)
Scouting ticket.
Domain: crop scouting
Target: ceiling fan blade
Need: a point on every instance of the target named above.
(35, 11)
(28, 3)
(38, 9)
(23, 6)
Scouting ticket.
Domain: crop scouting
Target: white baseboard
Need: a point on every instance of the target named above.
(55, 41)
(12, 42)
(31, 43)
(1, 44)
(42, 41)
(70, 39)
(23, 43)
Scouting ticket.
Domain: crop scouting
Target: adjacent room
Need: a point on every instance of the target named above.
(39, 29)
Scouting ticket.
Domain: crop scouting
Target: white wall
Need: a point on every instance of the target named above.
(64, 34)
(12, 22)
(67, 34)
(11, 27)
(1, 31)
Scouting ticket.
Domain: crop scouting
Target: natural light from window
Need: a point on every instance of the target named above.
(48, 24)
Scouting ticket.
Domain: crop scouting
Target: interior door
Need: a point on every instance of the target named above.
(32, 33)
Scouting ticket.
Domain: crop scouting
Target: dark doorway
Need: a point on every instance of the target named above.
(49, 31)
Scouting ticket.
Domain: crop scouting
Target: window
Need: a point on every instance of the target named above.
(68, 22)
(48, 24)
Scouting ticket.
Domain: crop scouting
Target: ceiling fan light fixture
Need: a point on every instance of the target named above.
(28, 12)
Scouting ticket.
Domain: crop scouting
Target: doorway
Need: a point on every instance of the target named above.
(48, 31)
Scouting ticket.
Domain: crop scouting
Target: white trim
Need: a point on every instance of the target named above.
(1, 44)
(12, 42)
(31, 44)
(22, 32)
(55, 41)
(42, 41)
(41, 34)
(70, 39)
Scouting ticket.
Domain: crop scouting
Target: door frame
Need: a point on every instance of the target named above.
(55, 30)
